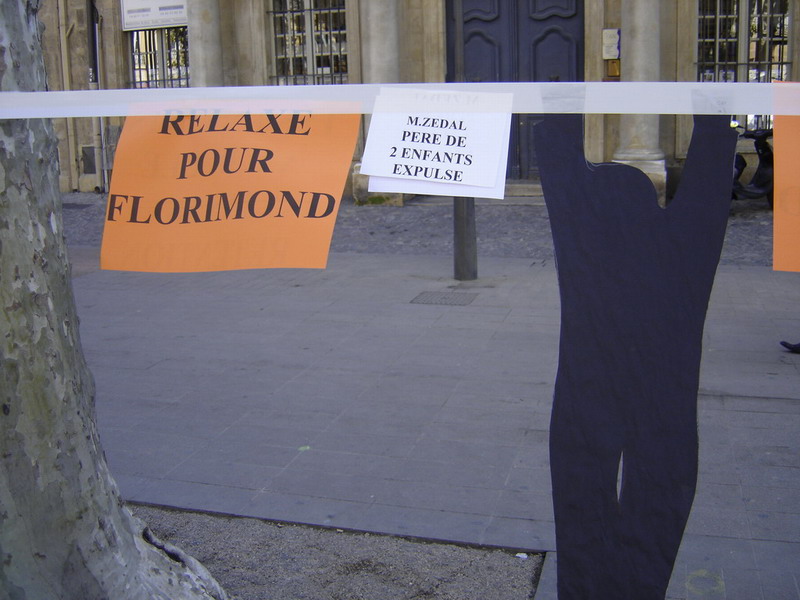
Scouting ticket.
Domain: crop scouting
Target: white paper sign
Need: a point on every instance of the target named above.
(442, 143)
(610, 44)
(149, 14)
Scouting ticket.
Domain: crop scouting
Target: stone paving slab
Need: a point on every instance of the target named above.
(329, 398)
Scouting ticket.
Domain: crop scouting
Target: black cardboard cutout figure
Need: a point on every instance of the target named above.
(635, 281)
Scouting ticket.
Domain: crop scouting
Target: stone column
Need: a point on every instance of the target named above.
(380, 41)
(205, 44)
(641, 61)
(250, 42)
(380, 63)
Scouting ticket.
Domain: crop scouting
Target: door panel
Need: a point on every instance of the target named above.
(484, 56)
(516, 40)
(544, 9)
(474, 9)
(551, 57)
(486, 42)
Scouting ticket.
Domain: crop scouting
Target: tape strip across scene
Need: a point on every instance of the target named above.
(679, 98)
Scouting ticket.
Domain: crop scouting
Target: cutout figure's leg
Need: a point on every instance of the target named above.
(635, 280)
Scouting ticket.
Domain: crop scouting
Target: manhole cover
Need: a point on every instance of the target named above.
(74, 205)
(446, 298)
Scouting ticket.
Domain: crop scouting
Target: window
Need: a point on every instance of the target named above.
(159, 58)
(310, 41)
(744, 40)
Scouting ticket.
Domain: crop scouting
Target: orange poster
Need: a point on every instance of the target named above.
(224, 192)
(786, 239)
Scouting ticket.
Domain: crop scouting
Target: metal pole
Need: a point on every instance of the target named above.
(465, 240)
(458, 42)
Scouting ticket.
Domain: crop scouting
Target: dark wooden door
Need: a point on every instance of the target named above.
(516, 40)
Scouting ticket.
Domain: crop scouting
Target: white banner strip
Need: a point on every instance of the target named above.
(529, 98)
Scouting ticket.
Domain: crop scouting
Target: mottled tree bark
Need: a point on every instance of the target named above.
(64, 532)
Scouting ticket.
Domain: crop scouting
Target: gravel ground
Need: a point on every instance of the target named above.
(260, 560)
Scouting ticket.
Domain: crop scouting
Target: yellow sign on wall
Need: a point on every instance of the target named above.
(222, 192)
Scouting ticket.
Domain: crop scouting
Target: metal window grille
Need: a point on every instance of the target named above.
(310, 41)
(744, 40)
(159, 58)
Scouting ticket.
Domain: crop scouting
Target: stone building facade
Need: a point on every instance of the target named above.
(116, 44)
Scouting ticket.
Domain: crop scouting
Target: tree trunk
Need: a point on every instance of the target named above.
(64, 532)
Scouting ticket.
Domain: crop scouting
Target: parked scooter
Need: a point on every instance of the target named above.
(761, 183)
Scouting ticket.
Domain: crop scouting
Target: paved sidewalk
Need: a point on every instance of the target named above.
(382, 395)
